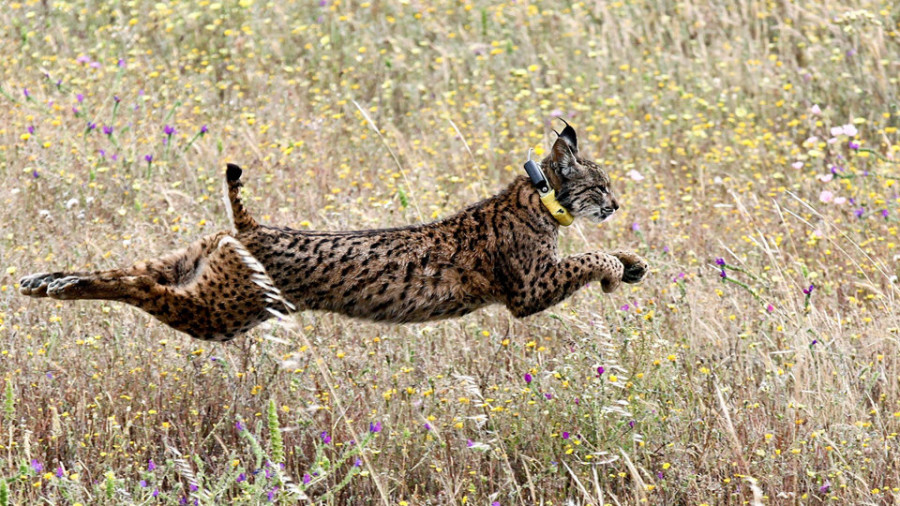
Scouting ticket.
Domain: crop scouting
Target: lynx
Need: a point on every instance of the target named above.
(502, 250)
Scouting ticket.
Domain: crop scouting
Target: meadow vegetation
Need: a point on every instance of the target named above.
(754, 148)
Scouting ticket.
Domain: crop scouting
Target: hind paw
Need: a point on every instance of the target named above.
(67, 287)
(36, 285)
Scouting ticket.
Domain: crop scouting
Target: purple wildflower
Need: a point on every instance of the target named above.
(25, 92)
(825, 486)
(59, 471)
(374, 427)
(548, 396)
(814, 342)
(169, 130)
(91, 126)
(79, 97)
(631, 424)
(148, 158)
(469, 443)
(306, 479)
(193, 487)
(203, 130)
(884, 213)
(853, 145)
(635, 227)
(37, 466)
(116, 99)
(565, 435)
(325, 437)
(241, 477)
(108, 130)
(30, 129)
(143, 483)
(271, 495)
(358, 462)
(239, 426)
(723, 274)
(660, 475)
(720, 262)
(770, 308)
(155, 492)
(809, 290)
(600, 371)
(427, 426)
(121, 63)
(528, 378)
(35, 174)
(626, 307)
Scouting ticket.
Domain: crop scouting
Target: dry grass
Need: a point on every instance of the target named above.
(714, 390)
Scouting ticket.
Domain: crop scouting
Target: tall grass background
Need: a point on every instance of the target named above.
(753, 147)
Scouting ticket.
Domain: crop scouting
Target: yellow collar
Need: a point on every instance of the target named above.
(547, 194)
(562, 215)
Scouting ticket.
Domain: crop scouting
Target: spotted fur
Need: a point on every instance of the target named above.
(500, 250)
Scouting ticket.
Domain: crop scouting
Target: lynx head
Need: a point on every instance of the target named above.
(584, 187)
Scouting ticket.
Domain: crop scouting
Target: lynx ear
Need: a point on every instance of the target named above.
(564, 151)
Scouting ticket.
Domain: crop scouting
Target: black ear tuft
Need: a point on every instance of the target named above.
(568, 134)
(234, 172)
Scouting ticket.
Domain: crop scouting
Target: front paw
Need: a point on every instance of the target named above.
(635, 266)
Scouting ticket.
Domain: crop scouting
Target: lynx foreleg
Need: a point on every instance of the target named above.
(557, 281)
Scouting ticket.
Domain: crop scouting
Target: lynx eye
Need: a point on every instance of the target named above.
(604, 190)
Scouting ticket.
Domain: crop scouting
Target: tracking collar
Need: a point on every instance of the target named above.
(547, 194)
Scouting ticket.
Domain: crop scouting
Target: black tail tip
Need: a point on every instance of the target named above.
(234, 172)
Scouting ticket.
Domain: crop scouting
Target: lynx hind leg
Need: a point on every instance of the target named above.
(228, 296)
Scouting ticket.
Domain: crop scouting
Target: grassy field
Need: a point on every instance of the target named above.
(751, 145)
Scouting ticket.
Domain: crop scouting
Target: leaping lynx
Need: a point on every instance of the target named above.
(500, 250)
